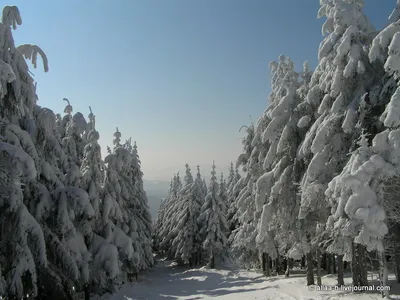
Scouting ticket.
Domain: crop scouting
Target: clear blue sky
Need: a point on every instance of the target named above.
(178, 76)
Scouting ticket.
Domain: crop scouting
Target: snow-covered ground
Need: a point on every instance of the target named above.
(168, 281)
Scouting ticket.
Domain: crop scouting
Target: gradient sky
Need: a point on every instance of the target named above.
(178, 76)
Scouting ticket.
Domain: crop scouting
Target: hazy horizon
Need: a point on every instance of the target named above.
(179, 77)
(165, 174)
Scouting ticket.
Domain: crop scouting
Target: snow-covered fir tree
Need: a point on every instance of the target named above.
(186, 217)
(275, 191)
(159, 222)
(337, 86)
(178, 229)
(140, 213)
(199, 195)
(242, 239)
(83, 250)
(92, 168)
(232, 193)
(167, 234)
(212, 217)
(223, 193)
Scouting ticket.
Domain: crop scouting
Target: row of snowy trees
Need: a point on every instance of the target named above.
(322, 164)
(192, 222)
(69, 221)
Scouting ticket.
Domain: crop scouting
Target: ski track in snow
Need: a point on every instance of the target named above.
(170, 282)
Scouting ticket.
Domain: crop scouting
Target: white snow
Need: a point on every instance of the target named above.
(304, 121)
(25, 162)
(168, 281)
(31, 52)
(11, 16)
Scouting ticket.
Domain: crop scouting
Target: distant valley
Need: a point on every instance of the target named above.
(155, 190)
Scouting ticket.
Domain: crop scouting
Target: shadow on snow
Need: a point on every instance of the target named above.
(168, 282)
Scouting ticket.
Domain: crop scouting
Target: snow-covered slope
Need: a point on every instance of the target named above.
(168, 281)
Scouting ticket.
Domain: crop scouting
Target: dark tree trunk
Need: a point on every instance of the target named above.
(397, 267)
(194, 259)
(396, 229)
(355, 270)
(340, 275)
(277, 265)
(361, 261)
(324, 261)
(271, 263)
(328, 263)
(334, 262)
(358, 266)
(310, 268)
(284, 264)
(318, 254)
(87, 292)
(289, 266)
(212, 261)
(383, 273)
(265, 264)
(303, 262)
(67, 293)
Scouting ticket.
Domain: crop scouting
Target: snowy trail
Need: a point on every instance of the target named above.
(168, 281)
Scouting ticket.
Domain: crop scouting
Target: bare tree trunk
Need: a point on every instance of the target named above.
(383, 274)
(195, 259)
(265, 264)
(354, 267)
(324, 261)
(212, 262)
(277, 265)
(340, 267)
(328, 263)
(358, 266)
(289, 266)
(397, 267)
(284, 265)
(318, 254)
(303, 262)
(67, 292)
(87, 292)
(397, 252)
(334, 263)
(273, 263)
(310, 268)
(362, 267)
